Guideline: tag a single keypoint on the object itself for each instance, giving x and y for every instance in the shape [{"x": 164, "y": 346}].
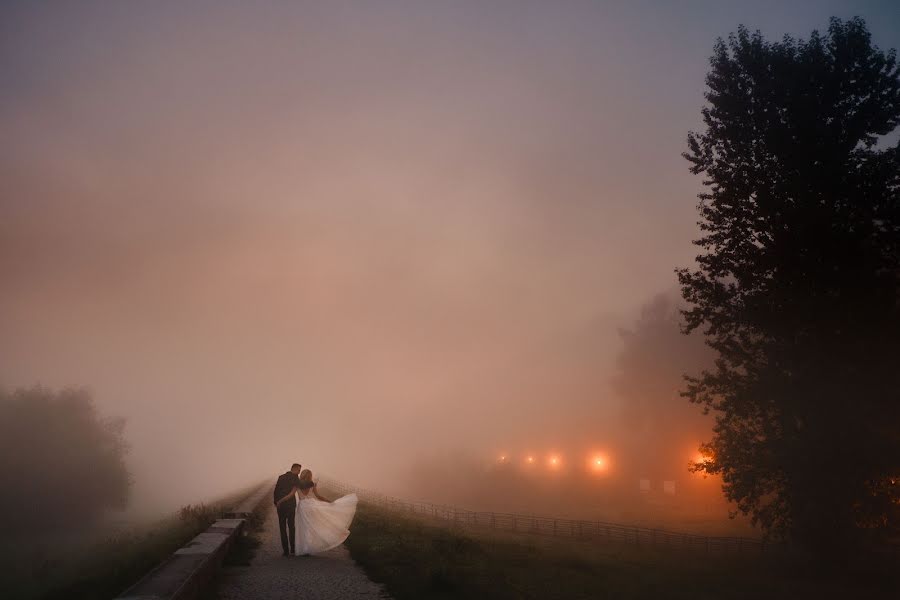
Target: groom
[{"x": 287, "y": 510}]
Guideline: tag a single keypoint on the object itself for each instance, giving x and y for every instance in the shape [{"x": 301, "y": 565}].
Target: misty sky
[{"x": 349, "y": 234}]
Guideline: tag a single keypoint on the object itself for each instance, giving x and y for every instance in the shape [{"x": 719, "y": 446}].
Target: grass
[
  {"x": 422, "y": 559},
  {"x": 102, "y": 567}
]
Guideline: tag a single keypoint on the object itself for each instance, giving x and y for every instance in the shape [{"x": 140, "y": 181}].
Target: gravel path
[{"x": 271, "y": 576}]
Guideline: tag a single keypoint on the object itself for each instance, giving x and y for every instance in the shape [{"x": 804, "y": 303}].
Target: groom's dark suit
[{"x": 287, "y": 510}]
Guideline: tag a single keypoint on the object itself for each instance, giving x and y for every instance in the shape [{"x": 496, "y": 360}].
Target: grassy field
[
  {"x": 422, "y": 559},
  {"x": 97, "y": 567}
]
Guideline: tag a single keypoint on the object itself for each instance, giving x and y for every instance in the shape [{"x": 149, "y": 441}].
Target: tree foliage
[
  {"x": 647, "y": 380},
  {"x": 798, "y": 283},
  {"x": 62, "y": 462}
]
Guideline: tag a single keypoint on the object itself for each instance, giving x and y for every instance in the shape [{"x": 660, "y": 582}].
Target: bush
[{"x": 199, "y": 514}]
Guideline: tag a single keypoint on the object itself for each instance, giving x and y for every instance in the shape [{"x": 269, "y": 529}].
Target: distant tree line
[
  {"x": 660, "y": 429},
  {"x": 62, "y": 462}
]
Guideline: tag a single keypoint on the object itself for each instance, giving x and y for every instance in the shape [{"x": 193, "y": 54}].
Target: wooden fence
[{"x": 572, "y": 528}]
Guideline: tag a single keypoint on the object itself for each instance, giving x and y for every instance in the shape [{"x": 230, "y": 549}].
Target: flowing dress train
[{"x": 322, "y": 526}]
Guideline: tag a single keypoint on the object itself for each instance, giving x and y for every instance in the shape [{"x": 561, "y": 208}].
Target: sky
[{"x": 347, "y": 234}]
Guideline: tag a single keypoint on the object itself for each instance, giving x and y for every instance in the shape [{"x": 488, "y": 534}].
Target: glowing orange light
[
  {"x": 598, "y": 463},
  {"x": 700, "y": 458},
  {"x": 554, "y": 462},
  {"x": 530, "y": 459}
]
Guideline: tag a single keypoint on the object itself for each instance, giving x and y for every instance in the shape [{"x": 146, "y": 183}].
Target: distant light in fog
[
  {"x": 598, "y": 463},
  {"x": 529, "y": 460},
  {"x": 555, "y": 461},
  {"x": 700, "y": 459}
]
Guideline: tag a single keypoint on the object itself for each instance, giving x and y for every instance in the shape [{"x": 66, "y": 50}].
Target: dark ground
[{"x": 418, "y": 559}]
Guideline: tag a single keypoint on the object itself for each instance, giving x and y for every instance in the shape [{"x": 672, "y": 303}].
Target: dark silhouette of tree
[
  {"x": 61, "y": 461},
  {"x": 798, "y": 285}
]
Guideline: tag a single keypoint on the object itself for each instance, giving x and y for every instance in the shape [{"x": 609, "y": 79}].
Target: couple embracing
[{"x": 308, "y": 522}]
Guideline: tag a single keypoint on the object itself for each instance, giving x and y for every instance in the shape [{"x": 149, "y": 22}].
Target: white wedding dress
[{"x": 322, "y": 526}]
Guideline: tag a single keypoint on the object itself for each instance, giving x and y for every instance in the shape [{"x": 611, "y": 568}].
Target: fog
[{"x": 368, "y": 238}]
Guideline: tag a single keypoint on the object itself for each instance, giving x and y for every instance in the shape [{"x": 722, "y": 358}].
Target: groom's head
[{"x": 296, "y": 468}]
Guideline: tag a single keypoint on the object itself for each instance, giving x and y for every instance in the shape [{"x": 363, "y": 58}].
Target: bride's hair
[{"x": 305, "y": 475}]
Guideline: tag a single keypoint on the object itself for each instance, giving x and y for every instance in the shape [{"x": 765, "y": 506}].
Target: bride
[{"x": 321, "y": 525}]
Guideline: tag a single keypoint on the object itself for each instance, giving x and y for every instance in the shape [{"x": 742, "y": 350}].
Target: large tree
[
  {"x": 798, "y": 284},
  {"x": 62, "y": 462}
]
